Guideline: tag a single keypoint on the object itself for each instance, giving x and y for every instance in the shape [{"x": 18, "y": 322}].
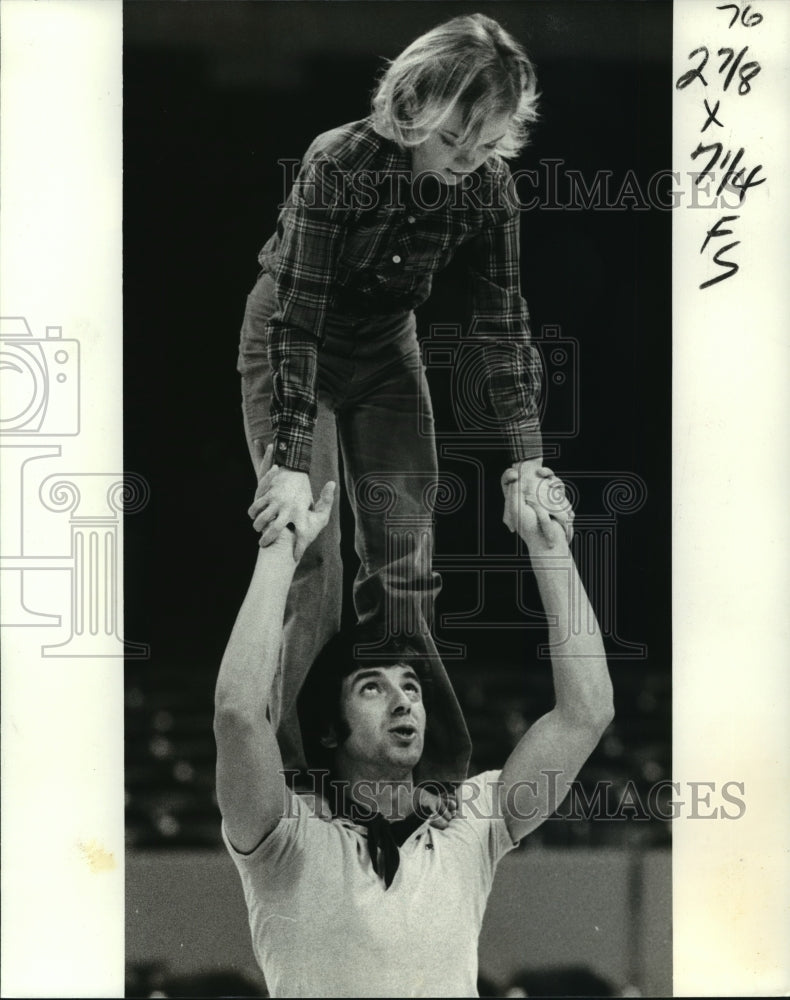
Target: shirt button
[
  {"x": 282, "y": 446},
  {"x": 396, "y": 258},
  {"x": 411, "y": 220}
]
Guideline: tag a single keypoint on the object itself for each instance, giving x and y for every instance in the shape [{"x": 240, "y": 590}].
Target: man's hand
[
  {"x": 284, "y": 497},
  {"x": 532, "y": 483}
]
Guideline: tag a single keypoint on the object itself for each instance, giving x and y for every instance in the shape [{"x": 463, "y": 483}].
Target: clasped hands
[
  {"x": 284, "y": 498},
  {"x": 533, "y": 484}
]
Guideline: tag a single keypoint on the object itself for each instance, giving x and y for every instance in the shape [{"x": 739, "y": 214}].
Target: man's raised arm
[
  {"x": 250, "y": 785},
  {"x": 539, "y": 771}
]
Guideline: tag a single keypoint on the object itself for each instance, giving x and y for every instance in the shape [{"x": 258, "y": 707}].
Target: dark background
[{"x": 214, "y": 95}]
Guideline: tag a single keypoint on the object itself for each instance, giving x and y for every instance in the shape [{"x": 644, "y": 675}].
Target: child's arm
[
  {"x": 311, "y": 230},
  {"x": 512, "y": 361},
  {"x": 513, "y": 367},
  {"x": 310, "y": 233}
]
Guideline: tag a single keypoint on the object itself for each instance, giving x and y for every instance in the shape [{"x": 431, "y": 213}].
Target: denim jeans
[{"x": 374, "y": 405}]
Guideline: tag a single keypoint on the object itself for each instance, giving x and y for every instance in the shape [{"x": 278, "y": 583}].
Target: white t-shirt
[{"x": 323, "y": 924}]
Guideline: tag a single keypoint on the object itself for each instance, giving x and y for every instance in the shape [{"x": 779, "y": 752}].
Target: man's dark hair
[{"x": 319, "y": 705}]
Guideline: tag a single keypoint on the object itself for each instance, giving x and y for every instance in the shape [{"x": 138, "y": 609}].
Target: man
[{"x": 377, "y": 902}]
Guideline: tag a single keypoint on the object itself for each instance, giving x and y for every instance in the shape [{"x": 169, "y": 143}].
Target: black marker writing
[
  {"x": 731, "y": 177},
  {"x": 733, "y": 71},
  {"x": 711, "y": 119},
  {"x": 747, "y": 20},
  {"x": 746, "y": 71},
  {"x": 718, "y": 256}
]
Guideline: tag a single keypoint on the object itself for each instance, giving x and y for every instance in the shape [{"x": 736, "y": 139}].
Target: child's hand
[
  {"x": 284, "y": 497},
  {"x": 534, "y": 484}
]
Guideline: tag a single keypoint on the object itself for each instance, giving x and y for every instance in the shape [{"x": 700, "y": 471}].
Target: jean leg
[
  {"x": 387, "y": 439},
  {"x": 312, "y": 612},
  {"x": 313, "y": 609}
]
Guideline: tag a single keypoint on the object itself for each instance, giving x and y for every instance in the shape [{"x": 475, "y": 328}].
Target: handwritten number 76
[
  {"x": 746, "y": 70},
  {"x": 747, "y": 20}
]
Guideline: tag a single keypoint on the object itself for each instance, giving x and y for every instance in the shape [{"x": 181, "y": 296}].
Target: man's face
[
  {"x": 385, "y": 714},
  {"x": 442, "y": 153}
]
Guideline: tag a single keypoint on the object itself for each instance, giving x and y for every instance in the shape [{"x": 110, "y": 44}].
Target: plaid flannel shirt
[{"x": 357, "y": 237}]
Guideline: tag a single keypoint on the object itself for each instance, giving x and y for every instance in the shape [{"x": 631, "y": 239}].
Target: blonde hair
[{"x": 470, "y": 63}]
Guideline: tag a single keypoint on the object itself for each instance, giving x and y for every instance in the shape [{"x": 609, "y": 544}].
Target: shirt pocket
[
  {"x": 368, "y": 240},
  {"x": 430, "y": 249}
]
